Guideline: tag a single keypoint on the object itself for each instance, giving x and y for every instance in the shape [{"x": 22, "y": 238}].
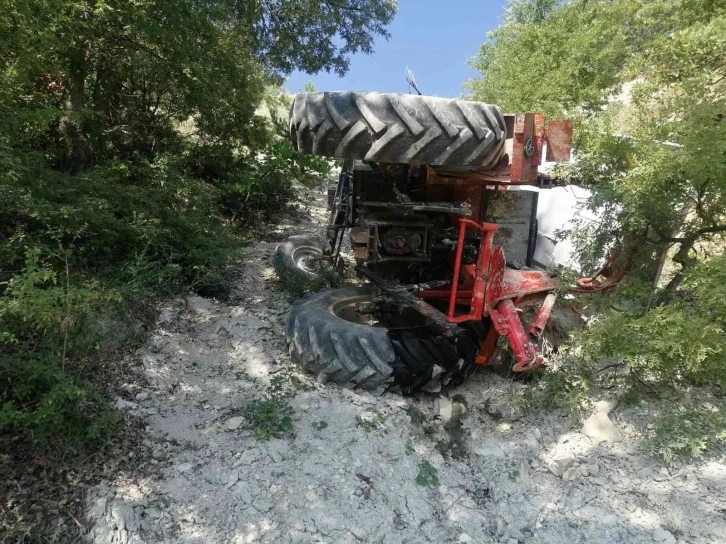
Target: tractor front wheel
[{"x": 299, "y": 260}]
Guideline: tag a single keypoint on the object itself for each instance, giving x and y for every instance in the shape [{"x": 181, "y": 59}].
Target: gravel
[{"x": 203, "y": 476}]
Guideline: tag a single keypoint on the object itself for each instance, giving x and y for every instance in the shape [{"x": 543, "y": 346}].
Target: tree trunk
[
  {"x": 78, "y": 152},
  {"x": 683, "y": 258}
]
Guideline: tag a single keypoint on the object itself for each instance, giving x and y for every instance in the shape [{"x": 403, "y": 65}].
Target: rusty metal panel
[
  {"x": 559, "y": 140},
  {"x": 524, "y": 148}
]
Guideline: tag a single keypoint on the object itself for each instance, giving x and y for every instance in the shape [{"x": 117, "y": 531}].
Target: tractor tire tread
[{"x": 398, "y": 128}]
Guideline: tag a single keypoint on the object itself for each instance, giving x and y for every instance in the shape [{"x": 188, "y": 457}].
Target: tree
[
  {"x": 314, "y": 35},
  {"x": 135, "y": 137},
  {"x": 121, "y": 75},
  {"x": 646, "y": 83}
]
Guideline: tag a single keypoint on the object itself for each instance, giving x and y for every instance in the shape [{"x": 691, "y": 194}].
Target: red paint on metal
[
  {"x": 539, "y": 137},
  {"x": 543, "y": 314},
  {"x": 481, "y": 276},
  {"x": 517, "y": 282},
  {"x": 489, "y": 348},
  {"x": 522, "y": 169},
  {"x": 506, "y": 320},
  {"x": 559, "y": 140},
  {"x": 490, "y": 288}
]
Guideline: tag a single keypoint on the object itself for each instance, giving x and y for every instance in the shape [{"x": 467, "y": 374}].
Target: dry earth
[{"x": 505, "y": 474}]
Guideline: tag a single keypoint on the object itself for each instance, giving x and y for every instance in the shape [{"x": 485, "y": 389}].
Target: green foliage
[
  {"x": 670, "y": 344},
  {"x": 566, "y": 387},
  {"x": 320, "y": 425},
  {"x": 269, "y": 416},
  {"x": 427, "y": 476},
  {"x": 55, "y": 409},
  {"x": 314, "y": 36},
  {"x": 687, "y": 434},
  {"x": 549, "y": 57},
  {"x": 135, "y": 139},
  {"x": 269, "y": 419},
  {"x": 326, "y": 275},
  {"x": 645, "y": 82},
  {"x": 370, "y": 420}
]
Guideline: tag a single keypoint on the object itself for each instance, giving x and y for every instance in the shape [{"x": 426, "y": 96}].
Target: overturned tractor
[{"x": 425, "y": 202}]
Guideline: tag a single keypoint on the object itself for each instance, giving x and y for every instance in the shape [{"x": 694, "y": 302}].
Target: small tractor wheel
[
  {"x": 297, "y": 260},
  {"x": 334, "y": 334},
  {"x": 398, "y": 128}
]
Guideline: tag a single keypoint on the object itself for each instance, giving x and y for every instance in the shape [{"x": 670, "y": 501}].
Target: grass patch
[
  {"x": 427, "y": 476},
  {"x": 371, "y": 420},
  {"x": 270, "y": 416}
]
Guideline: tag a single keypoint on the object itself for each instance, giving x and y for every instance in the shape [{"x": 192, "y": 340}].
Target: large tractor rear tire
[
  {"x": 326, "y": 334},
  {"x": 398, "y": 128}
]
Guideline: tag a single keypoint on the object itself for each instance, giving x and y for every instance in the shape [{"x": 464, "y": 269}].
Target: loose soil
[{"x": 468, "y": 464}]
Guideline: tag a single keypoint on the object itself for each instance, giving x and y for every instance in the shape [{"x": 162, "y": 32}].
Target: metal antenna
[{"x": 411, "y": 80}]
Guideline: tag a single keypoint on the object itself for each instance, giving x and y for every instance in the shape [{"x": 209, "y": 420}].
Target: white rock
[
  {"x": 605, "y": 406},
  {"x": 661, "y": 535},
  {"x": 232, "y": 478},
  {"x": 199, "y": 304},
  {"x": 599, "y": 428},
  {"x": 166, "y": 316},
  {"x": 571, "y": 474},
  {"x": 444, "y": 408},
  {"x": 241, "y": 490},
  {"x": 489, "y": 448},
  {"x": 184, "y": 467},
  {"x": 516, "y": 534},
  {"x": 465, "y": 538},
  {"x": 610, "y": 519},
  {"x": 233, "y": 423},
  {"x": 560, "y": 465},
  {"x": 152, "y": 512},
  {"x": 142, "y": 396},
  {"x": 593, "y": 469},
  {"x": 122, "y": 404}
]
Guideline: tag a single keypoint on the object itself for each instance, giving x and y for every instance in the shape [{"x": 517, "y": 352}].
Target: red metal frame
[
  {"x": 495, "y": 292},
  {"x": 490, "y": 288}
]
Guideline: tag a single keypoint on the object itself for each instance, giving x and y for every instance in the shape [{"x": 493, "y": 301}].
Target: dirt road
[{"x": 352, "y": 468}]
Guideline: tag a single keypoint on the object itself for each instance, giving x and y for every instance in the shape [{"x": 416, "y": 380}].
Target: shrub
[
  {"x": 686, "y": 435},
  {"x": 669, "y": 344}
]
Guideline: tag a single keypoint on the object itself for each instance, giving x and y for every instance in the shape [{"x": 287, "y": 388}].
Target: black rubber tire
[
  {"x": 371, "y": 358},
  {"x": 398, "y": 128},
  {"x": 288, "y": 260},
  {"x": 347, "y": 353}
]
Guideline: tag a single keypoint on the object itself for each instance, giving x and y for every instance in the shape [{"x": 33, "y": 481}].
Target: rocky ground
[{"x": 469, "y": 464}]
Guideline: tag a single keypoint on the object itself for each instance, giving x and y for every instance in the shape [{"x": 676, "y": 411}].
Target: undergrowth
[
  {"x": 83, "y": 256},
  {"x": 687, "y": 435},
  {"x": 270, "y": 416},
  {"x": 325, "y": 275}
]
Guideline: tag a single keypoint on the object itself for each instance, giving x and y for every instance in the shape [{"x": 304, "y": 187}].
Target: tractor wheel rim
[
  {"x": 305, "y": 258},
  {"x": 362, "y": 310},
  {"x": 353, "y": 309}
]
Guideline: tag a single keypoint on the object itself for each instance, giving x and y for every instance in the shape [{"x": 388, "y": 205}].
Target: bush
[
  {"x": 684, "y": 341},
  {"x": 51, "y": 408},
  {"x": 686, "y": 435},
  {"x": 257, "y": 185},
  {"x": 78, "y": 251}
]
